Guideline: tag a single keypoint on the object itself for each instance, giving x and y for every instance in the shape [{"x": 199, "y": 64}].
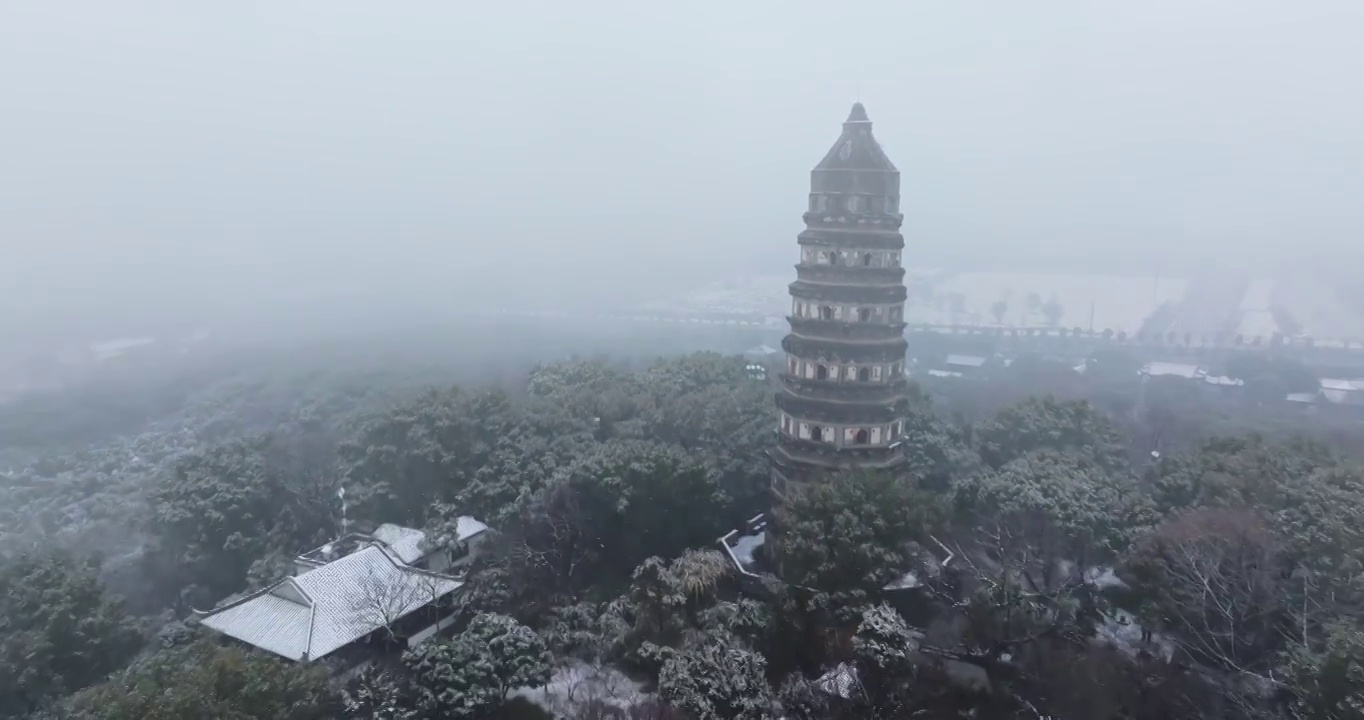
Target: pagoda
[{"x": 844, "y": 396}]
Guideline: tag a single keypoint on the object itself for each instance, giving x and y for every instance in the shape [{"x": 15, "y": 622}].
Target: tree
[
  {"x": 802, "y": 699},
  {"x": 59, "y": 631},
  {"x": 423, "y": 452},
  {"x": 1217, "y": 577},
  {"x": 1049, "y": 424},
  {"x": 1243, "y": 471},
  {"x": 935, "y": 451},
  {"x": 221, "y": 509},
  {"x": 380, "y": 694},
  {"x": 383, "y": 598},
  {"x": 717, "y": 680},
  {"x": 472, "y": 674},
  {"x": 884, "y": 650},
  {"x": 1028, "y": 538},
  {"x": 205, "y": 680},
  {"x": 673, "y": 604},
  {"x": 626, "y": 501},
  {"x": 1329, "y": 683},
  {"x": 998, "y": 309},
  {"x": 1053, "y": 311},
  {"x": 643, "y": 499},
  {"x": 1062, "y": 507},
  {"x": 520, "y": 465},
  {"x": 848, "y": 537},
  {"x": 710, "y": 406},
  {"x": 956, "y": 303}
]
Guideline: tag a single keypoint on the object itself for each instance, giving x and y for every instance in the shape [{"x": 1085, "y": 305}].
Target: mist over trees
[{"x": 1083, "y": 578}]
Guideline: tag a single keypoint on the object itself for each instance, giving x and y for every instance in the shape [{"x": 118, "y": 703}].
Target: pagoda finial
[{"x": 858, "y": 114}]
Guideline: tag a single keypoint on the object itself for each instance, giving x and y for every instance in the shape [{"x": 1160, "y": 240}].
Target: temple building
[{"x": 844, "y": 395}]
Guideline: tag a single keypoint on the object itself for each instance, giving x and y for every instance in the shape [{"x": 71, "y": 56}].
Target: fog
[{"x": 177, "y": 160}]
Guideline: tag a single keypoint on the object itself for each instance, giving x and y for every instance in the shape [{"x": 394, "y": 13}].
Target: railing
[{"x": 775, "y": 322}]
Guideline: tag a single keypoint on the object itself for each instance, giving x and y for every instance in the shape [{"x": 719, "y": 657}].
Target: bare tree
[
  {"x": 998, "y": 310},
  {"x": 1053, "y": 311},
  {"x": 1022, "y": 586},
  {"x": 384, "y": 595},
  {"x": 1219, "y": 581},
  {"x": 556, "y": 545}
]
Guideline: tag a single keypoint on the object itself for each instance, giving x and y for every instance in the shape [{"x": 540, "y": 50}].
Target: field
[
  {"x": 1318, "y": 309},
  {"x": 755, "y": 295}
]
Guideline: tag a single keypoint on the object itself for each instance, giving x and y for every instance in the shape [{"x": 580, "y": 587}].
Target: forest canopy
[{"x": 1059, "y": 568}]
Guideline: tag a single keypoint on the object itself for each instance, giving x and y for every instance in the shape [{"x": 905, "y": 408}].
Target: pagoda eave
[
  {"x": 870, "y": 238},
  {"x": 864, "y": 293}
]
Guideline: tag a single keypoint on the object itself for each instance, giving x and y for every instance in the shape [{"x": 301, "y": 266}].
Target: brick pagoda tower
[{"x": 844, "y": 395}]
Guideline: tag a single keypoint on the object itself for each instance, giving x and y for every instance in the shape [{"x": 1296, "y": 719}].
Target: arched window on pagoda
[
  {"x": 866, "y": 259},
  {"x": 861, "y": 437},
  {"x": 863, "y": 374},
  {"x": 826, "y": 312},
  {"x": 833, "y": 257},
  {"x": 816, "y": 433},
  {"x": 863, "y": 314},
  {"x": 822, "y": 372}
]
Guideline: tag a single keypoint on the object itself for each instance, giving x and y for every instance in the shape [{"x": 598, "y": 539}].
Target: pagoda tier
[{"x": 844, "y": 397}]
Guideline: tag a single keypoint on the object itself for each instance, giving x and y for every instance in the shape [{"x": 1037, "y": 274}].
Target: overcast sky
[{"x": 209, "y": 152}]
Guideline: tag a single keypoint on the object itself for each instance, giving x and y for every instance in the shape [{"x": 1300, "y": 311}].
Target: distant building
[
  {"x": 1343, "y": 392},
  {"x": 408, "y": 545},
  {"x": 761, "y": 353},
  {"x": 1343, "y": 398},
  {"x": 1169, "y": 369},
  {"x": 963, "y": 364},
  {"x": 844, "y": 394},
  {"x": 390, "y": 584}
]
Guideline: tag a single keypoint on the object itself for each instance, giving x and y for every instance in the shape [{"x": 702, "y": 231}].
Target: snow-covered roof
[
  {"x": 1343, "y": 392},
  {"x": 840, "y": 681},
  {"x": 468, "y": 527},
  {"x": 405, "y": 542},
  {"x": 1223, "y": 380},
  {"x": 965, "y": 360},
  {"x": 1301, "y": 397},
  {"x": 1157, "y": 368},
  {"x": 320, "y": 611}
]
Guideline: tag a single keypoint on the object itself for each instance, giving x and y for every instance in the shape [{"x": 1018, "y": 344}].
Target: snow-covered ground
[
  {"x": 1312, "y": 304},
  {"x": 1121, "y": 630},
  {"x": 761, "y": 294},
  {"x": 1318, "y": 308},
  {"x": 579, "y": 684}
]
